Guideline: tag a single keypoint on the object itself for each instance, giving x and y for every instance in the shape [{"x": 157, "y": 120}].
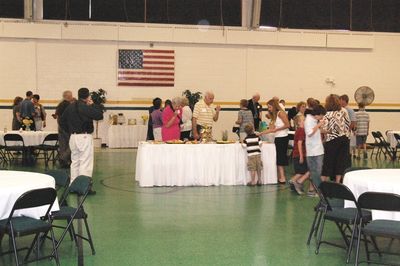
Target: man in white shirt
[
  {"x": 314, "y": 147},
  {"x": 204, "y": 114}
]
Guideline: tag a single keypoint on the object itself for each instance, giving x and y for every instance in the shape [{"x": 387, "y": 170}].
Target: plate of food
[
  {"x": 225, "y": 141},
  {"x": 192, "y": 142},
  {"x": 175, "y": 141}
]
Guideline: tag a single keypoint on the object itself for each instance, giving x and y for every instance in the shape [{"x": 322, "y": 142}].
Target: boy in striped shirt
[{"x": 253, "y": 147}]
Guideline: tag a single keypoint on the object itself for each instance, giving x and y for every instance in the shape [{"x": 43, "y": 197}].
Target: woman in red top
[
  {"x": 171, "y": 118},
  {"x": 299, "y": 157}
]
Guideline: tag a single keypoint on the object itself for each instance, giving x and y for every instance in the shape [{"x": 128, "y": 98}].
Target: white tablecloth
[
  {"x": 199, "y": 164},
  {"x": 374, "y": 180},
  {"x": 124, "y": 136},
  {"x": 15, "y": 183},
  {"x": 391, "y": 139},
  {"x": 31, "y": 138}
]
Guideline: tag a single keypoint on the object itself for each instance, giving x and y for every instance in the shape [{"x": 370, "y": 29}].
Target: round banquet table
[
  {"x": 374, "y": 180},
  {"x": 31, "y": 138},
  {"x": 200, "y": 164},
  {"x": 15, "y": 183}
]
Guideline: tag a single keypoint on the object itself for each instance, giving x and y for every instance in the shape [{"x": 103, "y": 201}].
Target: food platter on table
[
  {"x": 225, "y": 141},
  {"x": 175, "y": 141}
]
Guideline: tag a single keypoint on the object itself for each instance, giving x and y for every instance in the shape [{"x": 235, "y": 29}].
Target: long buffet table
[
  {"x": 126, "y": 136},
  {"x": 199, "y": 164}
]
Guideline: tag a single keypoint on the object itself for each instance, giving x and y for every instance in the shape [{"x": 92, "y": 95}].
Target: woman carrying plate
[{"x": 172, "y": 117}]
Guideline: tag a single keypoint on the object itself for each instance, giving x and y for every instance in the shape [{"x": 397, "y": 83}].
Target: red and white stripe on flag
[{"x": 152, "y": 68}]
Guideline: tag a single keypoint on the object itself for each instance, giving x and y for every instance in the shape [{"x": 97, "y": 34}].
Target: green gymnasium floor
[{"x": 227, "y": 225}]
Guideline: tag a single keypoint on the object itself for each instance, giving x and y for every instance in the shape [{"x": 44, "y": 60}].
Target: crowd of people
[
  {"x": 325, "y": 137},
  {"x": 29, "y": 109}
]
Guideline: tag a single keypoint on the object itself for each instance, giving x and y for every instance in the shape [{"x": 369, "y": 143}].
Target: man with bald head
[
  {"x": 204, "y": 114},
  {"x": 255, "y": 109},
  {"x": 63, "y": 137}
]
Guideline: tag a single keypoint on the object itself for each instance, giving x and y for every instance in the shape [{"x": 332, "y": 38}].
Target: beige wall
[{"x": 49, "y": 58}]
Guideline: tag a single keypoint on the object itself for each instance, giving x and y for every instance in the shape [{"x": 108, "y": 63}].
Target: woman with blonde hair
[{"x": 279, "y": 126}]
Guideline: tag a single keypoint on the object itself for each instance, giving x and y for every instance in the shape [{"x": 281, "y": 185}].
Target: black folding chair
[
  {"x": 62, "y": 180},
  {"x": 14, "y": 143},
  {"x": 342, "y": 217},
  {"x": 81, "y": 187},
  {"x": 22, "y": 225},
  {"x": 49, "y": 148},
  {"x": 378, "y": 228},
  {"x": 387, "y": 150},
  {"x": 319, "y": 210},
  {"x": 397, "y": 148}
]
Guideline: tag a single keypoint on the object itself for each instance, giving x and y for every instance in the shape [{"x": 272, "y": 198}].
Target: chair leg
[
  {"x": 376, "y": 246},
  {"x": 350, "y": 248},
  {"x": 343, "y": 235},
  {"x": 366, "y": 246},
  {"x": 89, "y": 236},
  {"x": 321, "y": 230},
  {"x": 358, "y": 243},
  {"x": 318, "y": 223},
  {"x": 32, "y": 247},
  {"x": 55, "y": 251},
  {"x": 14, "y": 246},
  {"x": 313, "y": 227},
  {"x": 74, "y": 233}
]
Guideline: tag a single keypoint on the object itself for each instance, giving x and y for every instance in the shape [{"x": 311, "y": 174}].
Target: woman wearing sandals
[{"x": 279, "y": 126}]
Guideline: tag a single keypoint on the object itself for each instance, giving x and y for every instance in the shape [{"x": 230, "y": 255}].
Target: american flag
[{"x": 155, "y": 68}]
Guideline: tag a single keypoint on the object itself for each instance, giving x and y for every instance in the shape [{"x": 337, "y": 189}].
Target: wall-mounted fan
[{"x": 364, "y": 95}]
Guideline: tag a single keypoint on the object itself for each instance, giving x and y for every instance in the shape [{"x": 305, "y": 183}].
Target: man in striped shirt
[
  {"x": 254, "y": 162},
  {"x": 204, "y": 114}
]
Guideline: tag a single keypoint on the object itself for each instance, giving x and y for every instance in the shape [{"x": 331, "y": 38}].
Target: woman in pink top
[{"x": 171, "y": 118}]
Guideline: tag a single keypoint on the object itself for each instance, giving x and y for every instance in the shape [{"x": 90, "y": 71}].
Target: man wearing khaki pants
[{"x": 77, "y": 120}]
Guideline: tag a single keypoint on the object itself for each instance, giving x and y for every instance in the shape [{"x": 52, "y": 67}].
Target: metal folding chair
[{"x": 19, "y": 226}]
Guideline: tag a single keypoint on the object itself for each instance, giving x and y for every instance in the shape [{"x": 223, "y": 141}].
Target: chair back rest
[
  {"x": 381, "y": 138},
  {"x": 14, "y": 138},
  {"x": 35, "y": 198},
  {"x": 331, "y": 190},
  {"x": 61, "y": 177},
  {"x": 51, "y": 139},
  {"x": 379, "y": 201},
  {"x": 397, "y": 137},
  {"x": 355, "y": 168},
  {"x": 81, "y": 185}
]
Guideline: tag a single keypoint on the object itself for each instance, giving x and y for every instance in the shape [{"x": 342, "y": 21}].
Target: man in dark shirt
[
  {"x": 63, "y": 136},
  {"x": 255, "y": 109},
  {"x": 27, "y": 109},
  {"x": 77, "y": 120}
]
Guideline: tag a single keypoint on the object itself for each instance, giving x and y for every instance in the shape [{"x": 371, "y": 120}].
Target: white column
[
  {"x": 255, "y": 14},
  {"x": 246, "y": 13},
  {"x": 37, "y": 9},
  {"x": 28, "y": 9},
  {"x": 251, "y": 11}
]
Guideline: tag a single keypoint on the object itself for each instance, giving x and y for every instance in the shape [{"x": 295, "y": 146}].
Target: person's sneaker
[
  {"x": 312, "y": 194},
  {"x": 291, "y": 185},
  {"x": 298, "y": 187}
]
